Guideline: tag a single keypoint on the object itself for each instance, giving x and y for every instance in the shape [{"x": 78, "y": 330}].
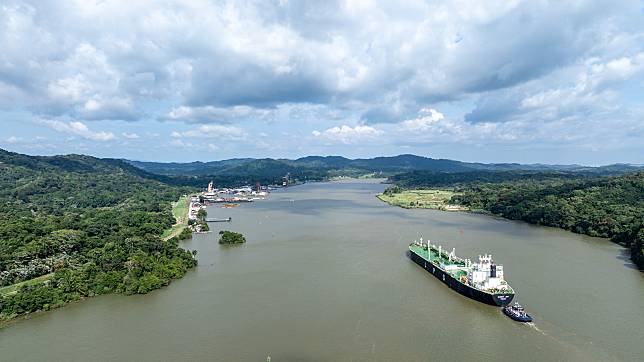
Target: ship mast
[{"x": 429, "y": 254}]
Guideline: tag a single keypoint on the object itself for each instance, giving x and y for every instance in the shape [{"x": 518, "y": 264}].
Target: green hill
[
  {"x": 269, "y": 170},
  {"x": 76, "y": 226},
  {"x": 582, "y": 202}
]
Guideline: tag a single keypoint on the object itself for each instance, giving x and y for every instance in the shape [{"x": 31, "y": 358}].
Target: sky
[{"x": 494, "y": 81}]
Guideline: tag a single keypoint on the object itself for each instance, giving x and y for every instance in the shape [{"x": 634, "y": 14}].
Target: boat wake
[{"x": 534, "y": 326}]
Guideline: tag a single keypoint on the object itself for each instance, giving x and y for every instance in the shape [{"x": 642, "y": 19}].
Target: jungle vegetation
[
  {"x": 76, "y": 226},
  {"x": 246, "y": 171},
  {"x": 231, "y": 237},
  {"x": 604, "y": 206}
]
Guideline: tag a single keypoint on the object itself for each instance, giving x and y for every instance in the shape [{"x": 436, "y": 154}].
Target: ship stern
[{"x": 503, "y": 299}]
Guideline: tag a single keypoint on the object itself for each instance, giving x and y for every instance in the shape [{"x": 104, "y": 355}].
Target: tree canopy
[
  {"x": 609, "y": 206},
  {"x": 231, "y": 237},
  {"x": 76, "y": 226}
]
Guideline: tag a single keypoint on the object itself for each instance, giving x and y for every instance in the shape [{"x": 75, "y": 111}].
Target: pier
[{"x": 215, "y": 219}]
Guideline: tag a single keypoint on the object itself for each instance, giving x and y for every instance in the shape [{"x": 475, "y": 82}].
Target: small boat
[{"x": 517, "y": 313}]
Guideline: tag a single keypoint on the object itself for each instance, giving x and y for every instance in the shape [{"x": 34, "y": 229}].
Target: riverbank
[
  {"x": 436, "y": 199},
  {"x": 603, "y": 206},
  {"x": 179, "y": 211},
  {"x": 75, "y": 281},
  {"x": 529, "y": 207},
  {"x": 366, "y": 176}
]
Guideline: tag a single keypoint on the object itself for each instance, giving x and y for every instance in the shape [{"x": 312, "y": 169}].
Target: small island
[{"x": 231, "y": 237}]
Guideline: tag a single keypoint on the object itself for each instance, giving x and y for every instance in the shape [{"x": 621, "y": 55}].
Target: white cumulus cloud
[
  {"x": 426, "y": 119},
  {"x": 213, "y": 131},
  {"x": 348, "y": 135},
  {"x": 130, "y": 136},
  {"x": 13, "y": 139},
  {"x": 78, "y": 129},
  {"x": 499, "y": 69}
]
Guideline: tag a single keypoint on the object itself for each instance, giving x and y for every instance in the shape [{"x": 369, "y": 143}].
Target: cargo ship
[{"x": 482, "y": 281}]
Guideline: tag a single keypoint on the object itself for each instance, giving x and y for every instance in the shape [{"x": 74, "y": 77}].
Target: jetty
[{"x": 215, "y": 219}]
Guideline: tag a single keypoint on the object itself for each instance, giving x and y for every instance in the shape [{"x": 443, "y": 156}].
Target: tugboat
[{"x": 517, "y": 313}]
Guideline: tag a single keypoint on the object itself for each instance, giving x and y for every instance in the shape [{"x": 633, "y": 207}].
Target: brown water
[{"x": 324, "y": 277}]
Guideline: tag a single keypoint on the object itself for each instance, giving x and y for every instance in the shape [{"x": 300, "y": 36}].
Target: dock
[{"x": 215, "y": 219}]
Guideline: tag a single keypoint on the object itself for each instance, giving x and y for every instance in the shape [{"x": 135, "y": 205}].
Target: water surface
[{"x": 324, "y": 277}]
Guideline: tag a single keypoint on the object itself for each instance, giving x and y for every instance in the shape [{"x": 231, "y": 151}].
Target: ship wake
[{"x": 534, "y": 326}]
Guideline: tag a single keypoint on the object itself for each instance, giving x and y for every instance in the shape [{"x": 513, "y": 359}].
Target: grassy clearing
[
  {"x": 13, "y": 289},
  {"x": 423, "y": 199},
  {"x": 180, "y": 208},
  {"x": 175, "y": 230},
  {"x": 180, "y": 213}
]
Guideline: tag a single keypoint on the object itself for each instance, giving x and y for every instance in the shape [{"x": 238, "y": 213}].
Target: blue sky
[{"x": 494, "y": 81}]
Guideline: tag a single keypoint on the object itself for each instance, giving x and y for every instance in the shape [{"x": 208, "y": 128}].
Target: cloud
[
  {"x": 213, "y": 131},
  {"x": 193, "y": 146},
  {"x": 349, "y": 135},
  {"x": 78, "y": 129},
  {"x": 13, "y": 140},
  {"x": 587, "y": 89},
  {"x": 177, "y": 142},
  {"x": 210, "y": 114},
  {"x": 519, "y": 68},
  {"x": 252, "y": 55},
  {"x": 527, "y": 130},
  {"x": 97, "y": 108},
  {"x": 427, "y": 118},
  {"x": 246, "y": 83},
  {"x": 87, "y": 85},
  {"x": 130, "y": 136}
]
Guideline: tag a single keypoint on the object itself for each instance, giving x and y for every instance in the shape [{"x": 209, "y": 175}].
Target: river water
[{"x": 324, "y": 277}]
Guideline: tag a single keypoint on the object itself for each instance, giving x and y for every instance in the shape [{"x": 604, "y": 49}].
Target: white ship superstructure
[{"x": 486, "y": 275}]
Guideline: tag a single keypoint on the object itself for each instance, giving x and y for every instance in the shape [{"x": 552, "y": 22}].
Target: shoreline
[
  {"x": 431, "y": 199},
  {"x": 177, "y": 209},
  {"x": 392, "y": 202}
]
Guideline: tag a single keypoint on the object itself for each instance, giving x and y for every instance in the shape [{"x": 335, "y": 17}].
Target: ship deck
[
  {"x": 440, "y": 260},
  {"x": 435, "y": 257}
]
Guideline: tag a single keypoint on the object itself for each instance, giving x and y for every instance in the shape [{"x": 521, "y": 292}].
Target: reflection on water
[{"x": 324, "y": 277}]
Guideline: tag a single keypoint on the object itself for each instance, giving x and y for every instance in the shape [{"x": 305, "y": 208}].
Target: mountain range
[
  {"x": 239, "y": 171},
  {"x": 339, "y": 164}
]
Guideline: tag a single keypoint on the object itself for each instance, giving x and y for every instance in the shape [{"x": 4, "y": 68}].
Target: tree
[
  {"x": 230, "y": 237},
  {"x": 201, "y": 214}
]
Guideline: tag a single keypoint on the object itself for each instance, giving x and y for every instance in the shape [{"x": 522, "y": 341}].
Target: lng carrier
[{"x": 482, "y": 281}]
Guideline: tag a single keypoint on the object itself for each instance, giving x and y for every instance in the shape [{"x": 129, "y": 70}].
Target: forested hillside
[
  {"x": 321, "y": 167},
  {"x": 311, "y": 166},
  {"x": 76, "y": 226},
  {"x": 428, "y": 179},
  {"x": 611, "y": 206}
]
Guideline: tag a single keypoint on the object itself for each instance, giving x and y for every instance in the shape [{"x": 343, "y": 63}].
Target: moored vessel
[{"x": 483, "y": 281}]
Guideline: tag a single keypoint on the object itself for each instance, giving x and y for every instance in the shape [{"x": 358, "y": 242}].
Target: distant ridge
[
  {"x": 384, "y": 164},
  {"x": 268, "y": 170}
]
